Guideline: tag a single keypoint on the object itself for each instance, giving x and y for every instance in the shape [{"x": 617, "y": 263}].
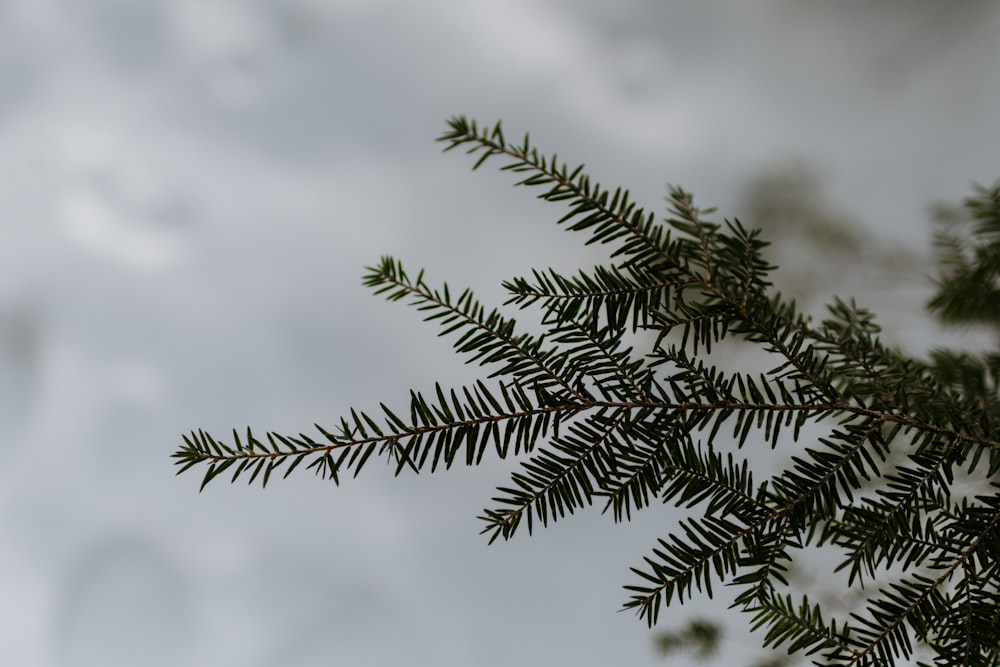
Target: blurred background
[{"x": 190, "y": 191}]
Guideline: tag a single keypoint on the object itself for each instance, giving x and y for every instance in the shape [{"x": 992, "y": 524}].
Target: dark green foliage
[
  {"x": 902, "y": 483},
  {"x": 968, "y": 247},
  {"x": 701, "y": 635}
]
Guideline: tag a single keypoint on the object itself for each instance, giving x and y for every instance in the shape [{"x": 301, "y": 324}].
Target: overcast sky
[{"x": 190, "y": 191}]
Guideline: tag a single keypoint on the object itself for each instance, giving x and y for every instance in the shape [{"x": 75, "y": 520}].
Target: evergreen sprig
[{"x": 902, "y": 484}]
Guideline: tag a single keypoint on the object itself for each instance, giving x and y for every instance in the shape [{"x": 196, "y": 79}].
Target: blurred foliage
[
  {"x": 787, "y": 203},
  {"x": 968, "y": 250},
  {"x": 818, "y": 246},
  {"x": 699, "y": 636}
]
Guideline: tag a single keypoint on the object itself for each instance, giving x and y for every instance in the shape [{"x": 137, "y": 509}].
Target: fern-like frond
[
  {"x": 559, "y": 478},
  {"x": 438, "y": 432},
  {"x": 708, "y": 549},
  {"x": 619, "y": 297},
  {"x": 802, "y": 627},
  {"x": 487, "y": 336}
]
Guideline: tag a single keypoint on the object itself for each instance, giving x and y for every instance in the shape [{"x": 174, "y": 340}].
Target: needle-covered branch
[{"x": 888, "y": 459}]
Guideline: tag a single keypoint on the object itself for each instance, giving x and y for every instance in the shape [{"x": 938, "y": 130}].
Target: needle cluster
[{"x": 901, "y": 483}]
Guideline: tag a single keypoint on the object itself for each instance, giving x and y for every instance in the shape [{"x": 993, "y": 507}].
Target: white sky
[{"x": 191, "y": 190}]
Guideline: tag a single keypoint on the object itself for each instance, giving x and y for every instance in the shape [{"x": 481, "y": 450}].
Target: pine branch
[
  {"x": 487, "y": 337},
  {"x": 559, "y": 480},
  {"x": 590, "y": 418},
  {"x": 436, "y": 432},
  {"x": 802, "y": 627}
]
